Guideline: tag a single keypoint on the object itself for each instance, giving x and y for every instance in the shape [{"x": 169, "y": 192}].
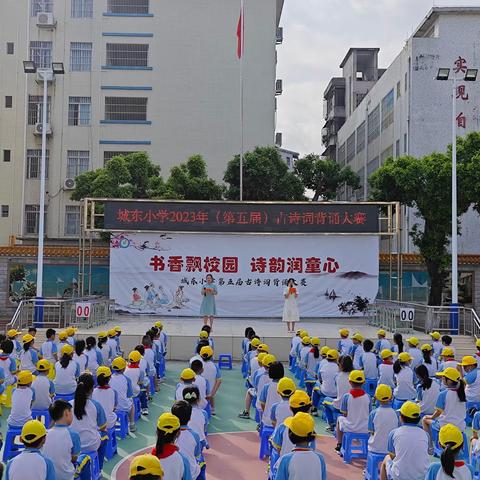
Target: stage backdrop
[{"x": 163, "y": 274}]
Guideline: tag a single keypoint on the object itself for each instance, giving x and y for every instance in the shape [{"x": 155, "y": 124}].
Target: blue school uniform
[{"x": 302, "y": 463}]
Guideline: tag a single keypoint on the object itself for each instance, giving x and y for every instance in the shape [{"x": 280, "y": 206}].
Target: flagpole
[{"x": 242, "y": 13}]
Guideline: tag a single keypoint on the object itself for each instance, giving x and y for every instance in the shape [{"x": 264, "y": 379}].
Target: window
[
  {"x": 397, "y": 148},
  {"x": 341, "y": 155},
  {"x": 5, "y": 211},
  {"x": 39, "y": 6},
  {"x": 80, "y": 57},
  {"x": 127, "y": 55},
  {"x": 34, "y": 157},
  {"x": 82, "y": 8},
  {"x": 41, "y": 54},
  {"x": 125, "y": 108},
  {"x": 72, "y": 220},
  {"x": 136, "y": 7},
  {"x": 32, "y": 215},
  {"x": 405, "y": 149},
  {"x": 399, "y": 89},
  {"x": 35, "y": 109},
  {"x": 374, "y": 124},
  {"x": 372, "y": 166},
  {"x": 387, "y": 109},
  {"x": 360, "y": 137},
  {"x": 77, "y": 162},
  {"x": 10, "y": 48},
  {"x": 8, "y": 101},
  {"x": 109, "y": 155},
  {"x": 79, "y": 110},
  {"x": 387, "y": 153},
  {"x": 351, "y": 147},
  {"x": 7, "y": 155}
]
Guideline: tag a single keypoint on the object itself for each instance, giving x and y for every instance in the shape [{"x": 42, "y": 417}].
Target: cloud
[{"x": 317, "y": 35}]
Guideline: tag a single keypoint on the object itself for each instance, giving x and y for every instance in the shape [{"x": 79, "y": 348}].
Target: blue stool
[
  {"x": 298, "y": 372},
  {"x": 111, "y": 447},
  {"x": 152, "y": 386},
  {"x": 266, "y": 433},
  {"x": 43, "y": 416},
  {"x": 258, "y": 415},
  {"x": 137, "y": 407},
  {"x": 11, "y": 448},
  {"x": 293, "y": 363},
  {"x": 65, "y": 396},
  {"x": 121, "y": 427},
  {"x": 372, "y": 470},
  {"x": 95, "y": 473},
  {"x": 370, "y": 386},
  {"x": 225, "y": 361},
  {"x": 350, "y": 450},
  {"x": 437, "y": 449},
  {"x": 274, "y": 456}
]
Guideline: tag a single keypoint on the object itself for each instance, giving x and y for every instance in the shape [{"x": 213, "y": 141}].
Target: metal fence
[{"x": 60, "y": 313}]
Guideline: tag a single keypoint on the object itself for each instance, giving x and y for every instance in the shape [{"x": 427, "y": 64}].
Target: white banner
[{"x": 163, "y": 274}]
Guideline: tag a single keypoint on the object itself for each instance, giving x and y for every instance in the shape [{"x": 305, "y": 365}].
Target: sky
[{"x": 317, "y": 35}]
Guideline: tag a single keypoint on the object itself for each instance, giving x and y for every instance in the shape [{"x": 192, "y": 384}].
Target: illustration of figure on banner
[
  {"x": 161, "y": 298},
  {"x": 137, "y": 300},
  {"x": 179, "y": 299}
]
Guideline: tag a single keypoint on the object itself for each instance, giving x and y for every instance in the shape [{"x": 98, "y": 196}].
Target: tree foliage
[
  {"x": 265, "y": 177},
  {"x": 325, "y": 177}
]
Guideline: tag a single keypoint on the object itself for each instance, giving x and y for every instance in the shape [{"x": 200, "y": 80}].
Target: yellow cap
[
  {"x": 118, "y": 329},
  {"x": 447, "y": 352},
  {"x": 62, "y": 335},
  {"x": 167, "y": 422},
  {"x": 467, "y": 361},
  {"x": 134, "y": 356},
  {"x": 410, "y": 410},
  {"x": 269, "y": 359},
  {"x": 119, "y": 363},
  {"x": 13, "y": 333},
  {"x": 206, "y": 352},
  {"x": 112, "y": 332},
  {"x": 358, "y": 337},
  {"x": 449, "y": 433},
  {"x": 302, "y": 424},
  {"x": 32, "y": 431},
  {"x": 263, "y": 347},
  {"x": 255, "y": 342},
  {"x": 105, "y": 371},
  {"x": 187, "y": 374},
  {"x": 304, "y": 333},
  {"x": 260, "y": 357},
  {"x": 101, "y": 335},
  {"x": 299, "y": 398},
  {"x": 67, "y": 350},
  {"x": 286, "y": 386},
  {"x": 24, "y": 377},
  {"x": 43, "y": 365},
  {"x": 426, "y": 347},
  {"x": 306, "y": 340},
  {"x": 203, "y": 334},
  {"x": 413, "y": 341},
  {"x": 146, "y": 465},
  {"x": 451, "y": 373},
  {"x": 71, "y": 331},
  {"x": 27, "y": 338},
  {"x": 159, "y": 324},
  {"x": 435, "y": 335},
  {"x": 383, "y": 393},
  {"x": 332, "y": 354},
  {"x": 356, "y": 376},
  {"x": 344, "y": 332},
  {"x": 405, "y": 357},
  {"x": 382, "y": 332},
  {"x": 386, "y": 353},
  {"x": 299, "y": 331},
  {"x": 477, "y": 343},
  {"x": 324, "y": 350},
  {"x": 315, "y": 341}
]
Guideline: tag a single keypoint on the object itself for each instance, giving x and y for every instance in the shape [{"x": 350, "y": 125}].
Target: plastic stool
[
  {"x": 111, "y": 447},
  {"x": 137, "y": 407},
  {"x": 121, "y": 427},
  {"x": 6, "y": 397},
  {"x": 12, "y": 449},
  {"x": 372, "y": 470},
  {"x": 95, "y": 473},
  {"x": 266, "y": 433},
  {"x": 370, "y": 386},
  {"x": 350, "y": 450},
  {"x": 65, "y": 396},
  {"x": 225, "y": 361},
  {"x": 293, "y": 364},
  {"x": 152, "y": 386},
  {"x": 43, "y": 416}
]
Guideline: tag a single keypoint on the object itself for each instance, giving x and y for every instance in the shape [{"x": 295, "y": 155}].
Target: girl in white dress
[{"x": 290, "y": 308}]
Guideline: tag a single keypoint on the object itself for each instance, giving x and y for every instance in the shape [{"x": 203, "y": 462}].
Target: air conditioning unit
[
  {"x": 278, "y": 87},
  {"x": 45, "y": 20},
  {"x": 39, "y": 129},
  {"x": 69, "y": 184}
]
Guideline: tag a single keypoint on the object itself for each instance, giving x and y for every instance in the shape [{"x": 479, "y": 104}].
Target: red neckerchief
[
  {"x": 105, "y": 387},
  {"x": 134, "y": 365},
  {"x": 387, "y": 362},
  {"x": 459, "y": 464},
  {"x": 168, "y": 449},
  {"x": 298, "y": 449},
  {"x": 148, "y": 348},
  {"x": 477, "y": 354},
  {"x": 355, "y": 392},
  {"x": 312, "y": 350}
]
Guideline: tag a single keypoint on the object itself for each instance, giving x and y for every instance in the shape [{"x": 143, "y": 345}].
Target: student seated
[
  {"x": 382, "y": 343},
  {"x": 28, "y": 356},
  {"x": 403, "y": 374},
  {"x": 447, "y": 343},
  {"x": 22, "y": 398},
  {"x": 345, "y": 343},
  {"x": 124, "y": 388},
  {"x": 448, "y": 359},
  {"x": 80, "y": 357},
  {"x": 436, "y": 344},
  {"x": 311, "y": 361},
  {"x": 8, "y": 363},
  {"x": 269, "y": 395},
  {"x": 42, "y": 386},
  {"x": 471, "y": 377},
  {"x": 414, "y": 351},
  {"x": 212, "y": 375},
  {"x": 281, "y": 410},
  {"x": 106, "y": 396},
  {"x": 427, "y": 391},
  {"x": 137, "y": 377},
  {"x": 385, "y": 369},
  {"x": 356, "y": 350},
  {"x": 368, "y": 361},
  {"x": 146, "y": 467},
  {"x": 187, "y": 379},
  {"x": 49, "y": 348},
  {"x": 66, "y": 372},
  {"x": 429, "y": 360},
  {"x": 200, "y": 382},
  {"x": 94, "y": 357},
  {"x": 199, "y": 418}
]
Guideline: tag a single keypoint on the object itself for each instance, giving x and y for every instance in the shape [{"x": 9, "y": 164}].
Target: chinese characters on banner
[
  {"x": 159, "y": 274},
  {"x": 460, "y": 67}
]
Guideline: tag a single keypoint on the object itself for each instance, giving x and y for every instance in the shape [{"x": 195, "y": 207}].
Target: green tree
[
  {"x": 265, "y": 177},
  {"x": 324, "y": 177},
  {"x": 424, "y": 184}
]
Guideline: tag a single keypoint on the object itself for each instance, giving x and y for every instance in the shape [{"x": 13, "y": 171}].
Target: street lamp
[
  {"x": 470, "y": 75},
  {"x": 44, "y": 75}
]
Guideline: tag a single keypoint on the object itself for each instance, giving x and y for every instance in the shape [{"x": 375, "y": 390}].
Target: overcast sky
[{"x": 317, "y": 35}]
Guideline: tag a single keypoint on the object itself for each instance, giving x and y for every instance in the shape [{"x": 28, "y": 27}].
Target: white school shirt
[
  {"x": 280, "y": 411},
  {"x": 143, "y": 365},
  {"x": 269, "y": 396},
  {"x": 61, "y": 444},
  {"x": 47, "y": 350},
  {"x": 44, "y": 391},
  {"x": 112, "y": 343},
  {"x": 95, "y": 359},
  {"x": 428, "y": 398},
  {"x": 462, "y": 472},
  {"x": 281, "y": 441},
  {"x": 8, "y": 365},
  {"x": 261, "y": 371},
  {"x": 437, "y": 348},
  {"x": 296, "y": 341},
  {"x": 453, "y": 410},
  {"x": 87, "y": 428},
  {"x": 262, "y": 381},
  {"x": 252, "y": 368},
  {"x": 123, "y": 386},
  {"x": 368, "y": 362},
  {"x": 176, "y": 467},
  {"x": 382, "y": 344},
  {"x": 106, "y": 353},
  {"x": 356, "y": 412},
  {"x": 21, "y": 411},
  {"x": 303, "y": 353},
  {"x": 344, "y": 345},
  {"x": 28, "y": 360},
  {"x": 107, "y": 397},
  {"x": 404, "y": 389},
  {"x": 311, "y": 363},
  {"x": 327, "y": 374},
  {"x": 198, "y": 421},
  {"x": 202, "y": 386},
  {"x": 385, "y": 375},
  {"x": 409, "y": 444},
  {"x": 472, "y": 387},
  {"x": 71, "y": 340},
  {"x": 136, "y": 376},
  {"x": 381, "y": 422},
  {"x": 31, "y": 464},
  {"x": 357, "y": 353},
  {"x": 188, "y": 443},
  {"x": 431, "y": 367},
  {"x": 66, "y": 378},
  {"x": 150, "y": 359},
  {"x": 211, "y": 373},
  {"x": 448, "y": 364},
  {"x": 343, "y": 386},
  {"x": 82, "y": 361},
  {"x": 416, "y": 355},
  {"x": 302, "y": 464}
]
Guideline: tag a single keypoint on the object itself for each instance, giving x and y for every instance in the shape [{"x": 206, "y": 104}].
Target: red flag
[{"x": 240, "y": 35}]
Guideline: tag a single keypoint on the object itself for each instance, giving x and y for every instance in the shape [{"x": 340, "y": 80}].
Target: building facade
[{"x": 155, "y": 76}]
